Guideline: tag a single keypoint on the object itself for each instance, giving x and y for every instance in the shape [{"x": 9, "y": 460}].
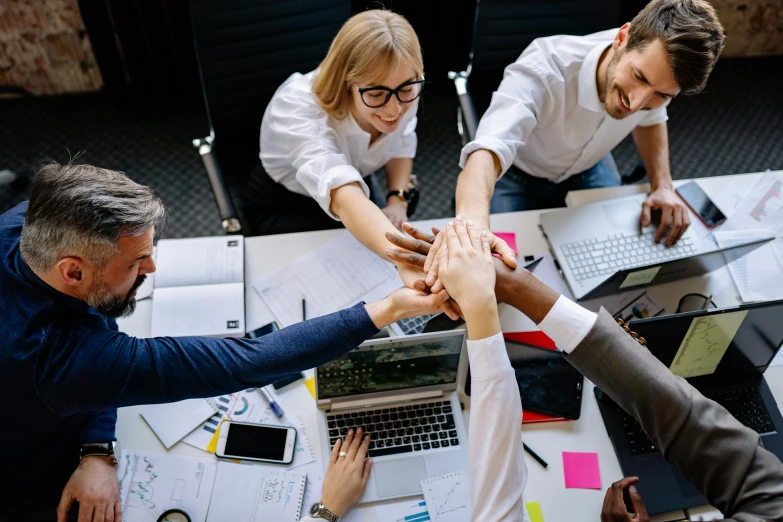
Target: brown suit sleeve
[{"x": 724, "y": 459}]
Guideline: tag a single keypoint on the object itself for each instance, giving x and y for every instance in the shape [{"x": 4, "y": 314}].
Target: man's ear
[
  {"x": 621, "y": 38},
  {"x": 74, "y": 271}
]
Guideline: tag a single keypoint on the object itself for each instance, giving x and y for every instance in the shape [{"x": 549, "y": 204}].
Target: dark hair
[
  {"x": 690, "y": 33},
  {"x": 81, "y": 210}
]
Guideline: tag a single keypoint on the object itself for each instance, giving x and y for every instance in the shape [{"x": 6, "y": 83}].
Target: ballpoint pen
[{"x": 276, "y": 409}]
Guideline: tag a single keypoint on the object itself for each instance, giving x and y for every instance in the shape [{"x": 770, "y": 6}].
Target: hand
[
  {"x": 623, "y": 503},
  {"x": 674, "y": 214},
  {"x": 411, "y": 275},
  {"x": 405, "y": 302},
  {"x": 431, "y": 265},
  {"x": 346, "y": 477},
  {"x": 397, "y": 211},
  {"x": 466, "y": 266},
  {"x": 94, "y": 485}
]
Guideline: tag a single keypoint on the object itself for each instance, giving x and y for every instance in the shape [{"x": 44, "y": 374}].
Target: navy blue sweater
[{"x": 64, "y": 368}]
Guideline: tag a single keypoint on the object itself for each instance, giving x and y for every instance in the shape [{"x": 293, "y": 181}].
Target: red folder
[{"x": 541, "y": 340}]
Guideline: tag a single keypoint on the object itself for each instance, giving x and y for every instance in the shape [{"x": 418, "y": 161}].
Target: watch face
[{"x": 314, "y": 508}]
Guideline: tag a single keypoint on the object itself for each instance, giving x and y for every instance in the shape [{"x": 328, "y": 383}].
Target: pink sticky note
[
  {"x": 581, "y": 470},
  {"x": 510, "y": 238}
]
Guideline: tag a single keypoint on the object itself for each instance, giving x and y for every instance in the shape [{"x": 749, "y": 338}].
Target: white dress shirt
[
  {"x": 567, "y": 324},
  {"x": 310, "y": 153},
  {"x": 546, "y": 117}
]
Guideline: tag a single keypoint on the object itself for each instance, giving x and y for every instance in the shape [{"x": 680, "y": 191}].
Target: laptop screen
[
  {"x": 730, "y": 342},
  {"x": 391, "y": 366}
]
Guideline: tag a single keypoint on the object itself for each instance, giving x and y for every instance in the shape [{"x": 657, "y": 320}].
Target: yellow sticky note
[
  {"x": 212, "y": 446},
  {"x": 534, "y": 511},
  {"x": 310, "y": 383}
]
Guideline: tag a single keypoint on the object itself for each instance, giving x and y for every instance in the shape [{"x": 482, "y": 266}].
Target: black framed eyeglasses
[
  {"x": 694, "y": 302},
  {"x": 375, "y": 97}
]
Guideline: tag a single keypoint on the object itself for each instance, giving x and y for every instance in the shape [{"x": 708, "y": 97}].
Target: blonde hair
[{"x": 368, "y": 46}]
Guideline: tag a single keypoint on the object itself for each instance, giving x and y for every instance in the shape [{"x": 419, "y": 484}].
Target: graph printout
[
  {"x": 705, "y": 343},
  {"x": 448, "y": 497}
]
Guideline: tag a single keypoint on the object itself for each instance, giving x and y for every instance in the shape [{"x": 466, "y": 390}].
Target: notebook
[
  {"x": 199, "y": 287},
  {"x": 173, "y": 420},
  {"x": 249, "y": 493}
]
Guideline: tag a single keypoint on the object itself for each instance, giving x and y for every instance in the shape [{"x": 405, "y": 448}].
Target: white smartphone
[{"x": 256, "y": 442}]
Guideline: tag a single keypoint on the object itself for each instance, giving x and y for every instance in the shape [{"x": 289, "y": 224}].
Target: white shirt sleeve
[
  {"x": 567, "y": 324},
  {"x": 655, "y": 117},
  {"x": 514, "y": 112},
  {"x": 497, "y": 466},
  {"x": 296, "y": 131}
]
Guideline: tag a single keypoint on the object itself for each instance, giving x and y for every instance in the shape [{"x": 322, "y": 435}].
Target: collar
[
  {"x": 588, "y": 90},
  {"x": 350, "y": 127}
]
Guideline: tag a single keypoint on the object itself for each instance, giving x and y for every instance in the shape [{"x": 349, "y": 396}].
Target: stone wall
[
  {"x": 753, "y": 27},
  {"x": 44, "y": 48}
]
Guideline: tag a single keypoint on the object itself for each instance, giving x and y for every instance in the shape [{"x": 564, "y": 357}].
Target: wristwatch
[
  {"x": 403, "y": 194},
  {"x": 101, "y": 449},
  {"x": 318, "y": 510}
]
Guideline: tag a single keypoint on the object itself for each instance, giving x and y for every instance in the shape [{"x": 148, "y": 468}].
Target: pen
[
  {"x": 276, "y": 409},
  {"x": 304, "y": 309},
  {"x": 706, "y": 302},
  {"x": 535, "y": 456}
]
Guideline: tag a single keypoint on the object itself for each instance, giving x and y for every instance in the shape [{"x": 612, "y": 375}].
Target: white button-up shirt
[
  {"x": 310, "y": 153},
  {"x": 546, "y": 117}
]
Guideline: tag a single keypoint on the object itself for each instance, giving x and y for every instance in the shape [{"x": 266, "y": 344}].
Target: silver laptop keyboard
[
  {"x": 401, "y": 429},
  {"x": 598, "y": 257},
  {"x": 414, "y": 325}
]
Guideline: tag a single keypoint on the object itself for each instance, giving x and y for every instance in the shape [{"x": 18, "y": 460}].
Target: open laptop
[
  {"x": 403, "y": 392},
  {"x": 601, "y": 250},
  {"x": 723, "y": 353}
]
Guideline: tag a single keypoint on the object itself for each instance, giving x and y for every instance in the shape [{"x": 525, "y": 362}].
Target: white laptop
[
  {"x": 601, "y": 249},
  {"x": 403, "y": 391}
]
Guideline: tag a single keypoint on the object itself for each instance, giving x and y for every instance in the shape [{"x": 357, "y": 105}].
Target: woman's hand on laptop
[
  {"x": 346, "y": 477},
  {"x": 468, "y": 273},
  {"x": 405, "y": 302}
]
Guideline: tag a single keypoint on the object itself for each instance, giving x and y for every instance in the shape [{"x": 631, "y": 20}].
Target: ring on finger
[{"x": 342, "y": 454}]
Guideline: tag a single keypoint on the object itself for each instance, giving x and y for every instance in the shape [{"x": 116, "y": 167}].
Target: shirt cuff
[
  {"x": 567, "y": 324},
  {"x": 491, "y": 144},
  {"x": 488, "y": 357},
  {"x": 334, "y": 178}
]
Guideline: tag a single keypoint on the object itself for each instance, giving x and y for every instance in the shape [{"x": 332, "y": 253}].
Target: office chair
[
  {"x": 245, "y": 50},
  {"x": 502, "y": 29}
]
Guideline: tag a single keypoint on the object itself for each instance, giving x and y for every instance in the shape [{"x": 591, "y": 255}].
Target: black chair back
[
  {"x": 246, "y": 49},
  {"x": 504, "y": 28}
]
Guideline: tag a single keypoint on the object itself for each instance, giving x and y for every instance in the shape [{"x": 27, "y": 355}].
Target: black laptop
[{"x": 723, "y": 353}]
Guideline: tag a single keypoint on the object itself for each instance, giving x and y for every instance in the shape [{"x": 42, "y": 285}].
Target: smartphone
[
  {"x": 701, "y": 204},
  {"x": 264, "y": 330},
  {"x": 256, "y": 442}
]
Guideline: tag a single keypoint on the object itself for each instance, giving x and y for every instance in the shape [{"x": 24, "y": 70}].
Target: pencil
[
  {"x": 304, "y": 309},
  {"x": 535, "y": 455}
]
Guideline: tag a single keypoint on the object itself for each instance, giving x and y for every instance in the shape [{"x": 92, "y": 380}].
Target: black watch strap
[
  {"x": 404, "y": 194},
  {"x": 99, "y": 449}
]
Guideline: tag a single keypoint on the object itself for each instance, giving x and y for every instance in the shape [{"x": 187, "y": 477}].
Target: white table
[{"x": 267, "y": 254}]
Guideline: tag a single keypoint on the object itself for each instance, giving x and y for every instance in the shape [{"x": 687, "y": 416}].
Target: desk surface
[{"x": 267, "y": 254}]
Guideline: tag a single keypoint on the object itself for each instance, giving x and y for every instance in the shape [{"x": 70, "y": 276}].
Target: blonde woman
[{"x": 325, "y": 132}]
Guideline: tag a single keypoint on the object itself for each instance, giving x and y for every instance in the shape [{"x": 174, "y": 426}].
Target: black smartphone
[
  {"x": 257, "y": 442},
  {"x": 701, "y": 204}
]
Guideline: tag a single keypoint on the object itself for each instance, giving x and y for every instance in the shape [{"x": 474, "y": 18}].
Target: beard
[
  {"x": 611, "y": 90},
  {"x": 107, "y": 303}
]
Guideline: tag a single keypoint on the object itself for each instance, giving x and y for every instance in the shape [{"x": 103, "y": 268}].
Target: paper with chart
[
  {"x": 705, "y": 343},
  {"x": 334, "y": 276},
  {"x": 407, "y": 510},
  {"x": 249, "y": 406},
  {"x": 153, "y": 483},
  {"x": 759, "y": 214},
  {"x": 448, "y": 497},
  {"x": 249, "y": 493}
]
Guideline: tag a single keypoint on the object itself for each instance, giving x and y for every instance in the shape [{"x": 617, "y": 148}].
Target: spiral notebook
[{"x": 249, "y": 492}]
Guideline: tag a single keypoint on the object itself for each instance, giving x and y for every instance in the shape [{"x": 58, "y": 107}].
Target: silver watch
[{"x": 318, "y": 510}]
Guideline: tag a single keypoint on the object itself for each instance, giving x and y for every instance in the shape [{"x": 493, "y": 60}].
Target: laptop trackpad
[{"x": 399, "y": 477}]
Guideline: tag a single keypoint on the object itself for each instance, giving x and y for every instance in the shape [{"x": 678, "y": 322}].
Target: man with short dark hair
[
  {"x": 569, "y": 100},
  {"x": 71, "y": 260}
]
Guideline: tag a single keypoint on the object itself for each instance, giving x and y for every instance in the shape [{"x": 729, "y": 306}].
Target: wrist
[
  {"x": 333, "y": 507},
  {"x": 482, "y": 322},
  {"x": 661, "y": 182},
  {"x": 382, "y": 313},
  {"x": 96, "y": 460}
]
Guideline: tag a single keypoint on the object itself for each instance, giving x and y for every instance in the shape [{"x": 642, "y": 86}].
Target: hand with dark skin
[{"x": 623, "y": 503}]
